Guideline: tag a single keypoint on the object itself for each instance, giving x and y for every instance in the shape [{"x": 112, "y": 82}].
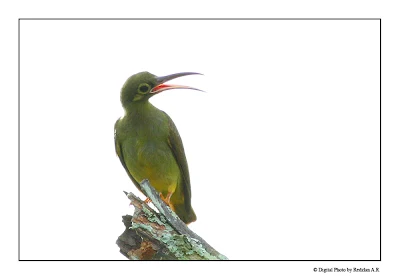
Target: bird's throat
[{"x": 139, "y": 108}]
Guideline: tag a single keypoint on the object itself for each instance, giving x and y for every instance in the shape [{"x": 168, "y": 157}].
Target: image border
[{"x": 222, "y": 19}]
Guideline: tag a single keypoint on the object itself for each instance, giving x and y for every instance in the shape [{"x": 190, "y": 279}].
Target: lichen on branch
[{"x": 160, "y": 236}]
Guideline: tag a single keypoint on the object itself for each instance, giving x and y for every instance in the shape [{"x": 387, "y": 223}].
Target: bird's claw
[{"x": 164, "y": 199}]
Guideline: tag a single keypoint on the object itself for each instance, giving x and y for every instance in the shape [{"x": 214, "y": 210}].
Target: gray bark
[{"x": 150, "y": 235}]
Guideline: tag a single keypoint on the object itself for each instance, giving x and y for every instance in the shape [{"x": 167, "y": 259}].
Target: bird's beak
[{"x": 160, "y": 86}]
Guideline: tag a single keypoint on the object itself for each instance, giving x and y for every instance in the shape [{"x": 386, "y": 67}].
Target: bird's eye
[{"x": 143, "y": 88}]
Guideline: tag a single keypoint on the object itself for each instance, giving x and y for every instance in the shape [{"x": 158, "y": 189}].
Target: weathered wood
[{"x": 160, "y": 236}]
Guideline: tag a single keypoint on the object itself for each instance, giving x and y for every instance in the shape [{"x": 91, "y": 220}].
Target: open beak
[{"x": 160, "y": 86}]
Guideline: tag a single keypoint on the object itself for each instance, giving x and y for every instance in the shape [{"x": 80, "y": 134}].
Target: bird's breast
[{"x": 147, "y": 153}]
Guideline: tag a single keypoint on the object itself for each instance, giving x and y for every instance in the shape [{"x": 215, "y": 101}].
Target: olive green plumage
[{"x": 149, "y": 145}]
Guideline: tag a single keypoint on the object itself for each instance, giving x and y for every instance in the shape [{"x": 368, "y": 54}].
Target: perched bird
[{"x": 149, "y": 145}]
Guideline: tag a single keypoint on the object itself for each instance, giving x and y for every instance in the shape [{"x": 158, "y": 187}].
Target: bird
[{"x": 148, "y": 143}]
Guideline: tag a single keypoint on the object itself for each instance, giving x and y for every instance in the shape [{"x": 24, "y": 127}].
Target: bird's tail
[{"x": 186, "y": 216}]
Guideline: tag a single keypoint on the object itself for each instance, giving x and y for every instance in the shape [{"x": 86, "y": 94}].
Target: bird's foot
[
  {"x": 147, "y": 200},
  {"x": 166, "y": 199}
]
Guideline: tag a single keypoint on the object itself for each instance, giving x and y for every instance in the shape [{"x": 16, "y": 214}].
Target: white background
[
  {"x": 283, "y": 148},
  {"x": 196, "y": 270}
]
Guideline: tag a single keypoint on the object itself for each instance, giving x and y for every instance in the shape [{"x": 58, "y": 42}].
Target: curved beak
[{"x": 160, "y": 86}]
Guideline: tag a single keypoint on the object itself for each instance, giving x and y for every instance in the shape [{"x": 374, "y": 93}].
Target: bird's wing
[
  {"x": 176, "y": 145},
  {"x": 118, "y": 150}
]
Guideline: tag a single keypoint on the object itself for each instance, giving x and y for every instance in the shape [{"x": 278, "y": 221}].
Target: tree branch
[{"x": 150, "y": 235}]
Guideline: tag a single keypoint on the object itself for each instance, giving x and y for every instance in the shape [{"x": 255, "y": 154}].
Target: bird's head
[{"x": 141, "y": 86}]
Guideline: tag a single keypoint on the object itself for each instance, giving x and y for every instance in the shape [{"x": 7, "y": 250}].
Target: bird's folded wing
[
  {"x": 176, "y": 145},
  {"x": 118, "y": 150}
]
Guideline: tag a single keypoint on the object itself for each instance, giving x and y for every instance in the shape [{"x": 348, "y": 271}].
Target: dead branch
[{"x": 150, "y": 235}]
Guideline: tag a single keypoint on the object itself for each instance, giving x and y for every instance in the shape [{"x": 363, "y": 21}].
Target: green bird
[{"x": 149, "y": 145}]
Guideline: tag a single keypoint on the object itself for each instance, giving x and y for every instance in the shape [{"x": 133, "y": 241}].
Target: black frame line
[
  {"x": 380, "y": 139},
  {"x": 19, "y": 135},
  {"x": 233, "y": 19},
  {"x": 199, "y": 19}
]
